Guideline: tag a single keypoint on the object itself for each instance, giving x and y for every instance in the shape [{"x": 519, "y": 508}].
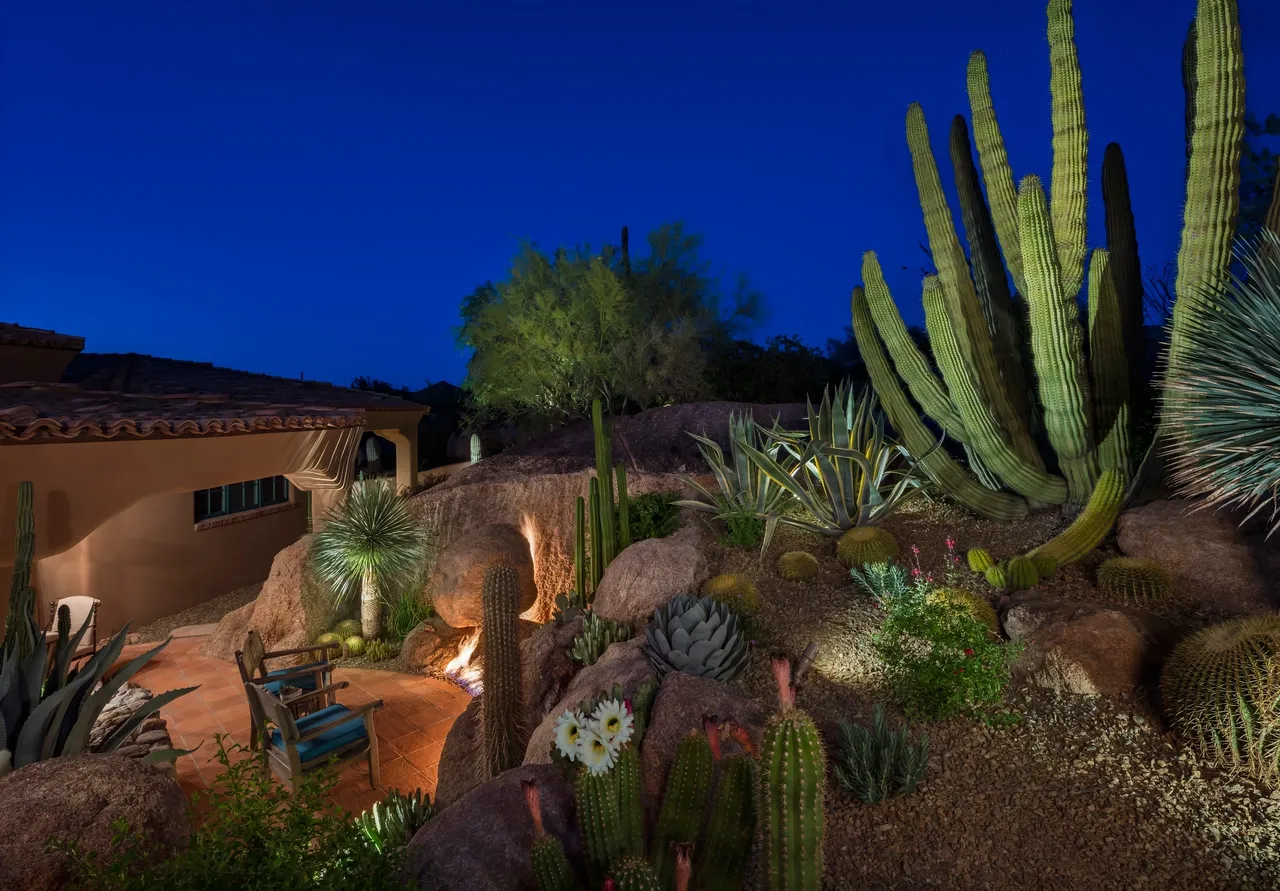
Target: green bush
[
  {"x": 653, "y": 515},
  {"x": 409, "y": 610},
  {"x": 254, "y": 836},
  {"x": 876, "y": 763},
  {"x": 743, "y": 528},
  {"x": 940, "y": 659}
]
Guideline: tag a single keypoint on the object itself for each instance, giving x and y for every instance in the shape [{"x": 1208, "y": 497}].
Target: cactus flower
[
  {"x": 533, "y": 800},
  {"x": 594, "y": 752},
  {"x": 614, "y": 723},
  {"x": 568, "y": 729}
]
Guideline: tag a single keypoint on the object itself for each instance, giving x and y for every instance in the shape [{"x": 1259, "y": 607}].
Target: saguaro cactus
[
  {"x": 503, "y": 703},
  {"x": 793, "y": 783}
]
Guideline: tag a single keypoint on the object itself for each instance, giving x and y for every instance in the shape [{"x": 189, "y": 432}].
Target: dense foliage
[
  {"x": 256, "y": 836},
  {"x": 875, "y": 762}
]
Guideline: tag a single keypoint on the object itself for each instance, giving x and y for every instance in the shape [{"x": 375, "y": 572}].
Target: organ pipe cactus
[
  {"x": 18, "y": 634},
  {"x": 726, "y": 849},
  {"x": 551, "y": 868},
  {"x": 684, "y": 801},
  {"x": 697, "y": 635},
  {"x": 793, "y": 784},
  {"x": 503, "y": 703},
  {"x": 607, "y": 519}
]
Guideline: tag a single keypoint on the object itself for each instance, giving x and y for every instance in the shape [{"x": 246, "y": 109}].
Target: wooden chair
[
  {"x": 314, "y": 675},
  {"x": 298, "y": 746}
]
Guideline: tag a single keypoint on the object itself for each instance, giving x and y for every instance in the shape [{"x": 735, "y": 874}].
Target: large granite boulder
[
  {"x": 484, "y": 841},
  {"x": 77, "y": 798},
  {"x": 648, "y": 575},
  {"x": 1083, "y": 648},
  {"x": 457, "y": 582},
  {"x": 624, "y": 664},
  {"x": 279, "y": 613},
  {"x": 1209, "y": 557},
  {"x": 463, "y": 765},
  {"x": 678, "y": 710}
]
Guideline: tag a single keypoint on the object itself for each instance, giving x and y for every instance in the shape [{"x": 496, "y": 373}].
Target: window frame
[{"x": 253, "y": 495}]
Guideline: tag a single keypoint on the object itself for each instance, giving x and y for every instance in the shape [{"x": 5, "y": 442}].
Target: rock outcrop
[
  {"x": 648, "y": 575},
  {"x": 278, "y": 613},
  {"x": 457, "y": 582}
]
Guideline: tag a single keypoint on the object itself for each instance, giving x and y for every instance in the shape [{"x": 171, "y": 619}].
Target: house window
[{"x": 236, "y": 498}]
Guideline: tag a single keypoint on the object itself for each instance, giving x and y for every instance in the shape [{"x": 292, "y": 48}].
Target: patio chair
[
  {"x": 297, "y": 746},
  {"x": 252, "y": 663},
  {"x": 81, "y": 607}
]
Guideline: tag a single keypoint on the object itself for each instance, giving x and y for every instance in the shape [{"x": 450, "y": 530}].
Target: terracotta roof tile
[{"x": 115, "y": 395}]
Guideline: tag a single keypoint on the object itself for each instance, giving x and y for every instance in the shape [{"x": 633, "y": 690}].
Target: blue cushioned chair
[
  {"x": 315, "y": 674},
  {"x": 296, "y": 746}
]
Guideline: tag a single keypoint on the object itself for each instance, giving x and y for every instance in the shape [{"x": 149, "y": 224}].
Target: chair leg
[
  {"x": 253, "y": 734},
  {"x": 374, "y": 775}
]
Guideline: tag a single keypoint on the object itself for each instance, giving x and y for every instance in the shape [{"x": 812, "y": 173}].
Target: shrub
[
  {"x": 877, "y": 762},
  {"x": 940, "y": 660},
  {"x": 743, "y": 528},
  {"x": 866, "y": 544},
  {"x": 881, "y": 580},
  {"x": 254, "y": 835},
  {"x": 797, "y": 566},
  {"x": 653, "y": 515},
  {"x": 1133, "y": 580},
  {"x": 407, "y": 612},
  {"x": 596, "y": 636},
  {"x": 736, "y": 590}
]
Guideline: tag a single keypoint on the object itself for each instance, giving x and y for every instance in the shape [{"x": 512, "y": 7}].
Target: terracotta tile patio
[{"x": 416, "y": 714}]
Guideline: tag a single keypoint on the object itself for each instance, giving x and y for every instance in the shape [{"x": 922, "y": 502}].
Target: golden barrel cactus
[
  {"x": 865, "y": 544},
  {"x": 1134, "y": 581}
]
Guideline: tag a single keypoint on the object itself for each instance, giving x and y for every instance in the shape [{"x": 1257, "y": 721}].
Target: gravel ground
[
  {"x": 1080, "y": 794},
  {"x": 200, "y": 614}
]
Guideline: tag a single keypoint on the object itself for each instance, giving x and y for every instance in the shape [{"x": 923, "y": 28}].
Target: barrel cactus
[
  {"x": 1020, "y": 573},
  {"x": 1135, "y": 581},
  {"x": 330, "y": 639},
  {"x": 1221, "y": 687},
  {"x": 797, "y": 566},
  {"x": 996, "y": 576},
  {"x": 793, "y": 786},
  {"x": 980, "y": 560},
  {"x": 734, "y": 589},
  {"x": 354, "y": 645},
  {"x": 697, "y": 635},
  {"x": 865, "y": 544},
  {"x": 974, "y": 604},
  {"x": 347, "y": 627}
]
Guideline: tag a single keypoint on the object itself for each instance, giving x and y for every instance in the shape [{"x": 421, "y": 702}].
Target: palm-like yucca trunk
[{"x": 370, "y": 606}]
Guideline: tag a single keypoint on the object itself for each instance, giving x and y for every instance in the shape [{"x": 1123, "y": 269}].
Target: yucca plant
[
  {"x": 371, "y": 543},
  {"x": 844, "y": 470},
  {"x": 1224, "y": 419},
  {"x": 744, "y": 486}
]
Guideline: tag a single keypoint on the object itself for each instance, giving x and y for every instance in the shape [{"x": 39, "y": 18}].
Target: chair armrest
[
  {"x": 290, "y": 676},
  {"x": 323, "y": 691},
  {"x": 299, "y": 650},
  {"x": 341, "y": 719}
]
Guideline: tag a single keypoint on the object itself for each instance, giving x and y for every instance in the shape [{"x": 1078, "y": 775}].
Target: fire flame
[
  {"x": 468, "y": 676},
  {"x": 535, "y": 613}
]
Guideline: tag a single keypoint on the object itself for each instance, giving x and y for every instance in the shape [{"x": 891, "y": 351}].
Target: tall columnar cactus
[
  {"x": 626, "y": 773},
  {"x": 683, "y": 802},
  {"x": 503, "y": 703},
  {"x": 1093, "y": 524},
  {"x": 476, "y": 452},
  {"x": 1126, "y": 272},
  {"x": 608, "y": 520},
  {"x": 1109, "y": 365},
  {"x": 793, "y": 784},
  {"x": 600, "y": 819},
  {"x": 580, "y": 566},
  {"x": 19, "y": 630},
  {"x": 726, "y": 850},
  {"x": 551, "y": 868},
  {"x": 635, "y": 874}
]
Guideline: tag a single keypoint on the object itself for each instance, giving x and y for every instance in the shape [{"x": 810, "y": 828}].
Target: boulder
[
  {"x": 484, "y": 841},
  {"x": 278, "y": 613},
  {"x": 623, "y": 663},
  {"x": 1206, "y": 553},
  {"x": 526, "y": 494},
  {"x": 456, "y": 583},
  {"x": 77, "y": 798},
  {"x": 646, "y": 576},
  {"x": 462, "y": 759},
  {"x": 678, "y": 709},
  {"x": 433, "y": 644},
  {"x": 546, "y": 668},
  {"x": 1083, "y": 648}
]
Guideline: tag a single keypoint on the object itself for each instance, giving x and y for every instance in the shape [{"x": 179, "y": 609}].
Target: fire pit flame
[{"x": 468, "y": 676}]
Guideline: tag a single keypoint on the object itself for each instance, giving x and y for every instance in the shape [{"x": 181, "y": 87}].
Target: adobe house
[{"x": 160, "y": 483}]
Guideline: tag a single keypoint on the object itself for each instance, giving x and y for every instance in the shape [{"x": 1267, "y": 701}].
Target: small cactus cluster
[
  {"x": 1221, "y": 687},
  {"x": 974, "y": 604},
  {"x": 1132, "y": 580},
  {"x": 797, "y": 566},
  {"x": 503, "y": 703},
  {"x": 735, "y": 589},
  {"x": 596, "y": 636},
  {"x": 865, "y": 544},
  {"x": 379, "y": 650},
  {"x": 1021, "y": 572},
  {"x": 980, "y": 560}
]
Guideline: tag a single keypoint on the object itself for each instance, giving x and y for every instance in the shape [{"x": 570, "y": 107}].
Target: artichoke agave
[{"x": 696, "y": 635}]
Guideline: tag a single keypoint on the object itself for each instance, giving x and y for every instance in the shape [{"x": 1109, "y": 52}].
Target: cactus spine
[
  {"x": 635, "y": 874},
  {"x": 20, "y": 629},
  {"x": 600, "y": 819},
  {"x": 793, "y": 786},
  {"x": 609, "y": 521},
  {"x": 503, "y": 704},
  {"x": 683, "y": 802},
  {"x": 1092, "y": 525}
]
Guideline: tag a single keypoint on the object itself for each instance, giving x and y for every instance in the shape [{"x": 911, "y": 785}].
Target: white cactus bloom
[
  {"x": 594, "y": 752},
  {"x": 613, "y": 723},
  {"x": 569, "y": 727}
]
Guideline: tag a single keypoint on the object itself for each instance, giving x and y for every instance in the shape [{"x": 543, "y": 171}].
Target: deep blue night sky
[{"x": 313, "y": 187}]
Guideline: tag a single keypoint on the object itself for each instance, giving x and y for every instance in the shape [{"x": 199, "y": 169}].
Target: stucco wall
[{"x": 149, "y": 561}]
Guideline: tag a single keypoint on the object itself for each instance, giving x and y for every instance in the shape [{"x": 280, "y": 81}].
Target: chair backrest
[
  {"x": 272, "y": 709},
  {"x": 253, "y": 654},
  {"x": 81, "y": 607}
]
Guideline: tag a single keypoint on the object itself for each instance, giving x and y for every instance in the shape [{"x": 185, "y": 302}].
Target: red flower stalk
[
  {"x": 609, "y": 885},
  {"x": 684, "y": 867},
  {"x": 713, "y": 735},
  {"x": 743, "y": 737},
  {"x": 533, "y": 799},
  {"x": 782, "y": 674}
]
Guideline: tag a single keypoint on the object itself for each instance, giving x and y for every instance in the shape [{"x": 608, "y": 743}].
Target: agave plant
[
  {"x": 372, "y": 543},
  {"x": 844, "y": 470},
  {"x": 1225, "y": 419},
  {"x": 393, "y": 822},
  {"x": 48, "y": 708},
  {"x": 744, "y": 487},
  {"x": 696, "y": 635}
]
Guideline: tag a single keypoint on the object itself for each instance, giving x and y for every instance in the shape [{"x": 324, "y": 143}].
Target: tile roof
[{"x": 128, "y": 395}]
